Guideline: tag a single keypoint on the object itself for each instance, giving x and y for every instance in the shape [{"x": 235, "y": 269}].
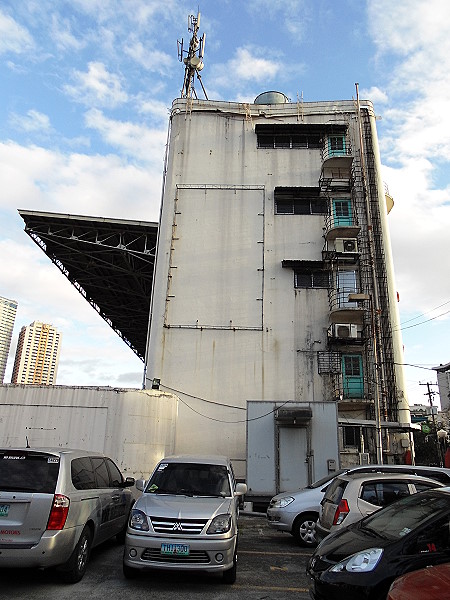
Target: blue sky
[{"x": 86, "y": 89}]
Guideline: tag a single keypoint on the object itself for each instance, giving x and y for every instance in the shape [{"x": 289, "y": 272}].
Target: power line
[
  {"x": 425, "y": 313},
  {"x": 416, "y": 366},
  {"x": 422, "y": 322},
  {"x": 221, "y": 404}
]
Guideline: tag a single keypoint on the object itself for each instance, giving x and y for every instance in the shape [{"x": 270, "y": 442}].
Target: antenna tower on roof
[{"x": 193, "y": 59}]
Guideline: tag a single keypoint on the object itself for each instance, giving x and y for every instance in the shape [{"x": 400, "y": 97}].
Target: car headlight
[
  {"x": 361, "y": 562},
  {"x": 220, "y": 524},
  {"x": 281, "y": 502},
  {"x": 138, "y": 520}
]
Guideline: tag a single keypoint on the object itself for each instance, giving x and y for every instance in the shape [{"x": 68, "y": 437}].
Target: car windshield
[
  {"x": 402, "y": 517},
  {"x": 190, "y": 480},
  {"x": 28, "y": 471}
]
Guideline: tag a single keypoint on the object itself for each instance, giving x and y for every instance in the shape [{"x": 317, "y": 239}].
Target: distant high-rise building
[
  {"x": 37, "y": 355},
  {"x": 8, "y": 310}
]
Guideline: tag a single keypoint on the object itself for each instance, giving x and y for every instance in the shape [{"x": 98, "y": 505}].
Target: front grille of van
[
  {"x": 198, "y": 557},
  {"x": 178, "y": 526}
]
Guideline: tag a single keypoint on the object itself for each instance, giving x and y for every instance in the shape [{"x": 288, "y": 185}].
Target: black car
[{"x": 361, "y": 561}]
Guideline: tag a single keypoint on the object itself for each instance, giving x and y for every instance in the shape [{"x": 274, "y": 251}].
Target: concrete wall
[{"x": 134, "y": 427}]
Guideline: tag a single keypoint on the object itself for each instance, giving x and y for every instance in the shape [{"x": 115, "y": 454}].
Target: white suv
[
  {"x": 352, "y": 496},
  {"x": 297, "y": 511},
  {"x": 56, "y": 504},
  {"x": 186, "y": 519}
]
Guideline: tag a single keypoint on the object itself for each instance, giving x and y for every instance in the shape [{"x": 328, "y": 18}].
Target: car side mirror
[
  {"x": 241, "y": 489},
  {"x": 140, "y": 484}
]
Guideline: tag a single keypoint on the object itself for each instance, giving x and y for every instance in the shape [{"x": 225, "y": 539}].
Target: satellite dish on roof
[{"x": 271, "y": 98}]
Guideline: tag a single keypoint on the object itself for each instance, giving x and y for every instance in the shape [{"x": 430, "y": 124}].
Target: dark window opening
[
  {"x": 290, "y": 141},
  {"x": 351, "y": 437},
  {"x": 299, "y": 201},
  {"x": 311, "y": 278}
]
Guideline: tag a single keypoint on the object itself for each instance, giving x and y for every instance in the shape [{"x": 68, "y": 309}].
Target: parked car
[
  {"x": 55, "y": 505},
  {"x": 186, "y": 519},
  {"x": 297, "y": 511},
  {"x": 352, "y": 496},
  {"x": 363, "y": 559},
  {"x": 432, "y": 583}
]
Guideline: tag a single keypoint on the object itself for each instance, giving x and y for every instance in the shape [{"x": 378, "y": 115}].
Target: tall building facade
[
  {"x": 37, "y": 355},
  {"x": 274, "y": 278},
  {"x": 8, "y": 309}
]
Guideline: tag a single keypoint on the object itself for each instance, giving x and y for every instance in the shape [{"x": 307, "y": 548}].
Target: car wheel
[
  {"x": 75, "y": 568},
  {"x": 304, "y": 529},
  {"x": 229, "y": 576},
  {"x": 129, "y": 572}
]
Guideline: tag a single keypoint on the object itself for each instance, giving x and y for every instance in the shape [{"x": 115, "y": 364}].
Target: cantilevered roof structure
[{"x": 109, "y": 261}]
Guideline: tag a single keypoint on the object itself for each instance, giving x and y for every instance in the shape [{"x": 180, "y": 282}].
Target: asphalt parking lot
[{"x": 270, "y": 565}]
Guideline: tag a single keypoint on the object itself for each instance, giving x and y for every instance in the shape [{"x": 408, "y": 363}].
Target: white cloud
[
  {"x": 97, "y": 87},
  {"x": 34, "y": 121},
  {"x": 63, "y": 37},
  {"x": 13, "y": 37},
  {"x": 130, "y": 138},
  {"x": 374, "y": 94},
  {"x": 248, "y": 65},
  {"x": 40, "y": 179},
  {"x": 152, "y": 60}
]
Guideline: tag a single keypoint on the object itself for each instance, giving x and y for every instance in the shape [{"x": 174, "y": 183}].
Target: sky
[{"x": 86, "y": 89}]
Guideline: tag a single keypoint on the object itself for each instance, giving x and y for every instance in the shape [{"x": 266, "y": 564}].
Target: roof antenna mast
[{"x": 193, "y": 59}]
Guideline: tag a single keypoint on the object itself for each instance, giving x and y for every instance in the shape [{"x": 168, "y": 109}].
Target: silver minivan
[
  {"x": 186, "y": 519},
  {"x": 56, "y": 504}
]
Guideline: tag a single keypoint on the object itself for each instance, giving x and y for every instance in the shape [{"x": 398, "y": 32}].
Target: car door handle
[{"x": 115, "y": 498}]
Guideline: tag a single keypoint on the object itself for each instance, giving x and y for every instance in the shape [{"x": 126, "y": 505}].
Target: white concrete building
[
  {"x": 274, "y": 279},
  {"x": 37, "y": 354},
  {"x": 8, "y": 309},
  {"x": 443, "y": 378}
]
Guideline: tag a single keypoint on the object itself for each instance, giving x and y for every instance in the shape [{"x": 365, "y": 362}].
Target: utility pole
[{"x": 430, "y": 395}]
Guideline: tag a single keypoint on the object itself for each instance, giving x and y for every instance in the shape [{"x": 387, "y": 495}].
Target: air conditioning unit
[
  {"x": 364, "y": 458},
  {"x": 345, "y": 330},
  {"x": 346, "y": 245}
]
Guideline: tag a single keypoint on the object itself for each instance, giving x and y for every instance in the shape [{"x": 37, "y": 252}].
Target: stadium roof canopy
[{"x": 109, "y": 261}]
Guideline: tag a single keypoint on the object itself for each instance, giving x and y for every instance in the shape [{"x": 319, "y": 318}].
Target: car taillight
[
  {"x": 58, "y": 514},
  {"x": 341, "y": 512}
]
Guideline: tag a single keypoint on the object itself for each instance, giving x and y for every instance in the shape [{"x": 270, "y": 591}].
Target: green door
[
  {"x": 342, "y": 212},
  {"x": 352, "y": 374}
]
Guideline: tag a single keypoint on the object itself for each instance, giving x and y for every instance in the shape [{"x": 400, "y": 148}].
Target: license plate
[
  {"x": 175, "y": 549},
  {"x": 4, "y": 509}
]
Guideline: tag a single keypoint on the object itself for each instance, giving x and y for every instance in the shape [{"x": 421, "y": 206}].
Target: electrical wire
[
  {"x": 220, "y": 404},
  {"x": 422, "y": 322},
  {"x": 425, "y": 313}
]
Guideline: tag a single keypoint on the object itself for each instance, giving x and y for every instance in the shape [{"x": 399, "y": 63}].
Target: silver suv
[
  {"x": 352, "y": 496},
  {"x": 56, "y": 504},
  {"x": 186, "y": 519},
  {"x": 297, "y": 511}
]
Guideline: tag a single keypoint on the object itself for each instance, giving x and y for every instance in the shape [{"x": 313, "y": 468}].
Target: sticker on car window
[
  {"x": 13, "y": 457},
  {"x": 53, "y": 459},
  {"x": 152, "y": 488},
  {"x": 404, "y": 531},
  {"x": 162, "y": 466}
]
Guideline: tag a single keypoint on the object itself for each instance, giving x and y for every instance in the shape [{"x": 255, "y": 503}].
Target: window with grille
[
  {"x": 290, "y": 136},
  {"x": 311, "y": 278},
  {"x": 299, "y": 201},
  {"x": 336, "y": 145}
]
